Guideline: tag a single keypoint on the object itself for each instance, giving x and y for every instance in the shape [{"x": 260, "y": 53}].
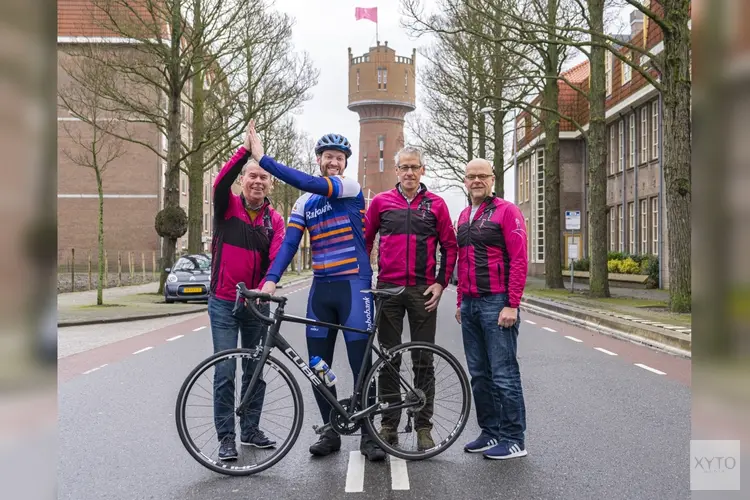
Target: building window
[
  {"x": 631, "y": 227},
  {"x": 608, "y": 71},
  {"x": 540, "y": 205},
  {"x": 622, "y": 146},
  {"x": 631, "y": 140},
  {"x": 382, "y": 78},
  {"x": 655, "y": 226},
  {"x": 655, "y": 130},
  {"x": 381, "y": 146},
  {"x": 357, "y": 79},
  {"x": 621, "y": 226},
  {"x": 521, "y": 130},
  {"x": 205, "y": 194},
  {"x": 528, "y": 242},
  {"x": 519, "y": 183},
  {"x": 528, "y": 183},
  {"x": 612, "y": 230},
  {"x": 205, "y": 222},
  {"x": 406, "y": 81},
  {"x": 644, "y": 227},
  {"x": 627, "y": 70},
  {"x": 644, "y": 134},
  {"x": 612, "y": 150},
  {"x": 184, "y": 186}
]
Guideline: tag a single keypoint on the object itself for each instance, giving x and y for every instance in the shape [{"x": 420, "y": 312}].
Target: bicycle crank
[{"x": 337, "y": 421}]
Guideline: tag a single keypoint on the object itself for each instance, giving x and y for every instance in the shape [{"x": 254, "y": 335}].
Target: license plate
[{"x": 195, "y": 289}]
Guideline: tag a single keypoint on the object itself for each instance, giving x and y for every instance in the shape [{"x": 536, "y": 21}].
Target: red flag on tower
[{"x": 370, "y": 13}]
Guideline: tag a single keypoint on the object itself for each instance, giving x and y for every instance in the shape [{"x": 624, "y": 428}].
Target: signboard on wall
[{"x": 572, "y": 220}]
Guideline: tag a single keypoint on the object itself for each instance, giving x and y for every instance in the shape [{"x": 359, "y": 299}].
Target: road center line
[
  {"x": 399, "y": 474},
  {"x": 530, "y": 322},
  {"x": 650, "y": 369},
  {"x": 143, "y": 350},
  {"x": 199, "y": 328},
  {"x": 573, "y": 338},
  {"x": 175, "y": 338},
  {"x": 355, "y": 473},
  {"x": 549, "y": 329},
  {"x": 94, "y": 369},
  {"x": 605, "y": 351}
]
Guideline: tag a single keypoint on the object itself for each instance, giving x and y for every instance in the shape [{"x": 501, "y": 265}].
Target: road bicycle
[{"x": 389, "y": 394}]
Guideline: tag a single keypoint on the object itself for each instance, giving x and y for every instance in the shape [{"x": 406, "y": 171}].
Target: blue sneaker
[
  {"x": 483, "y": 442},
  {"x": 257, "y": 439},
  {"x": 506, "y": 450}
]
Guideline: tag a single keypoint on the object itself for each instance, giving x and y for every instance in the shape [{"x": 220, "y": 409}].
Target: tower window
[
  {"x": 382, "y": 78},
  {"x": 357, "y": 79}
]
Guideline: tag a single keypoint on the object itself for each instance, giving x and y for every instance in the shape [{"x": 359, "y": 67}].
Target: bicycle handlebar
[{"x": 252, "y": 296}]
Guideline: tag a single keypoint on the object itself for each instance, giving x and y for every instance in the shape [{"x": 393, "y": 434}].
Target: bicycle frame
[{"x": 274, "y": 339}]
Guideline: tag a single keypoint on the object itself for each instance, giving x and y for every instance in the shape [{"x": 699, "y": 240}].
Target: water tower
[{"x": 381, "y": 91}]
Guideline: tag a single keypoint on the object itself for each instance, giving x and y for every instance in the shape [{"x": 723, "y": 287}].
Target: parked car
[{"x": 189, "y": 279}]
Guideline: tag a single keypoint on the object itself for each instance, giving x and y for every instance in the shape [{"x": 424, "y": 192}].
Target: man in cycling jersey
[
  {"x": 246, "y": 239},
  {"x": 411, "y": 222},
  {"x": 332, "y": 210}
]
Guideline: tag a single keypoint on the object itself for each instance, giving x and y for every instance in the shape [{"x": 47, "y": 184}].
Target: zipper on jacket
[{"x": 408, "y": 235}]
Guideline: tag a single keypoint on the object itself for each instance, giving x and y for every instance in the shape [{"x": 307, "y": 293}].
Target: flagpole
[{"x": 377, "y": 39}]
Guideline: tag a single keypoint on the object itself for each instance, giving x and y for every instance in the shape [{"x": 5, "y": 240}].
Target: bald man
[{"x": 492, "y": 268}]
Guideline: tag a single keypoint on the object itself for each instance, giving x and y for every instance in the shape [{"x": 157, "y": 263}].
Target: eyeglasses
[
  {"x": 481, "y": 177},
  {"x": 406, "y": 168}
]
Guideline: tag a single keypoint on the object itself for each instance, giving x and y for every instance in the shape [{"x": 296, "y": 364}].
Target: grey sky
[{"x": 326, "y": 29}]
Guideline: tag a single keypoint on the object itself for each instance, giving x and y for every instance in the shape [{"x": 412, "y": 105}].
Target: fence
[{"x": 78, "y": 269}]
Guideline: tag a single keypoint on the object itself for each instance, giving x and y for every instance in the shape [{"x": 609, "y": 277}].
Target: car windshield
[{"x": 193, "y": 263}]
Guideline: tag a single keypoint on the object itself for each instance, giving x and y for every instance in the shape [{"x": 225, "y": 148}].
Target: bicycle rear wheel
[
  {"x": 434, "y": 392},
  {"x": 276, "y": 411}
]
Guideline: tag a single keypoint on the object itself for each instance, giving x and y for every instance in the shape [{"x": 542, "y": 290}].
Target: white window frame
[
  {"x": 631, "y": 227},
  {"x": 655, "y": 226},
  {"x": 655, "y": 130},
  {"x": 644, "y": 227},
  {"x": 621, "y": 156},
  {"x": 612, "y": 230},
  {"x": 539, "y": 198},
  {"x": 621, "y": 222},
  {"x": 627, "y": 70},
  {"x": 631, "y": 140},
  {"x": 644, "y": 134},
  {"x": 612, "y": 159}
]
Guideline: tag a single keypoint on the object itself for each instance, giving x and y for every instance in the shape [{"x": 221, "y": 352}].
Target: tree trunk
[
  {"x": 552, "y": 251},
  {"x": 197, "y": 167},
  {"x": 597, "y": 209},
  {"x": 677, "y": 153},
  {"x": 498, "y": 157},
  {"x": 100, "y": 233}
]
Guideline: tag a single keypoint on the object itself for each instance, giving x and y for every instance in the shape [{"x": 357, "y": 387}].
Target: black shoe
[
  {"x": 327, "y": 444},
  {"x": 370, "y": 449},
  {"x": 228, "y": 449},
  {"x": 257, "y": 439}
]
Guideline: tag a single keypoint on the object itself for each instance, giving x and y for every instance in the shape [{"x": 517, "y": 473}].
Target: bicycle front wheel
[
  {"x": 424, "y": 400},
  {"x": 206, "y": 413}
]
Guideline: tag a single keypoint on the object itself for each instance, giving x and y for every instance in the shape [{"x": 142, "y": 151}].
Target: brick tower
[{"x": 381, "y": 91}]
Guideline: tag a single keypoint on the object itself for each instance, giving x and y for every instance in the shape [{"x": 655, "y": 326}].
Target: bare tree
[{"x": 96, "y": 147}]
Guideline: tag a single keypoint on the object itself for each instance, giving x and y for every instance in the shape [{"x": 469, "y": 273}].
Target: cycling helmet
[{"x": 334, "y": 141}]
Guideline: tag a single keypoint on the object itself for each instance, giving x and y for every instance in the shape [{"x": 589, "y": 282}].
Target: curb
[
  {"x": 102, "y": 321},
  {"x": 676, "y": 344}
]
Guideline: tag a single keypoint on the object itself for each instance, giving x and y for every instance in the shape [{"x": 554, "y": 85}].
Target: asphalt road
[{"x": 606, "y": 419}]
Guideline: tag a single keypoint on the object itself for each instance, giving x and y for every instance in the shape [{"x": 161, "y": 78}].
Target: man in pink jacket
[
  {"x": 492, "y": 268},
  {"x": 246, "y": 239},
  {"x": 412, "y": 222}
]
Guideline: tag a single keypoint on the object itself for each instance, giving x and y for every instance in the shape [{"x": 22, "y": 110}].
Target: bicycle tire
[
  {"x": 465, "y": 411},
  {"x": 219, "y": 466}
]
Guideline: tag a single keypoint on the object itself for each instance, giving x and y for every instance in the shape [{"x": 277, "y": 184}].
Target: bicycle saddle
[{"x": 386, "y": 292}]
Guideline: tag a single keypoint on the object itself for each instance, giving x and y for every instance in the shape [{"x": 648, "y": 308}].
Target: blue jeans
[
  {"x": 225, "y": 328},
  {"x": 495, "y": 376}
]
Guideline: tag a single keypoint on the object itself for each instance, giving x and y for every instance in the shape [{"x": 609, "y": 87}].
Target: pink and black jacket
[
  {"x": 242, "y": 249},
  {"x": 492, "y": 251},
  {"x": 409, "y": 237}
]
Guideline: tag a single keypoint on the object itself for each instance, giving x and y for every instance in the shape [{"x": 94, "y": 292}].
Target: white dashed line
[
  {"x": 94, "y": 369},
  {"x": 650, "y": 369},
  {"x": 530, "y": 322},
  {"x": 573, "y": 338},
  {"x": 605, "y": 351},
  {"x": 175, "y": 338},
  {"x": 355, "y": 474},
  {"x": 399, "y": 474},
  {"x": 549, "y": 329},
  {"x": 199, "y": 328},
  {"x": 143, "y": 350}
]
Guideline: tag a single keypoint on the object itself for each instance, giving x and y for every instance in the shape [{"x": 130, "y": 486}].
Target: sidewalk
[
  {"x": 130, "y": 303},
  {"x": 638, "y": 315}
]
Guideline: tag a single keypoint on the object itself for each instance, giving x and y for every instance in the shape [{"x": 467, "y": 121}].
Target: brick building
[
  {"x": 382, "y": 92},
  {"x": 133, "y": 184},
  {"x": 635, "y": 188}
]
